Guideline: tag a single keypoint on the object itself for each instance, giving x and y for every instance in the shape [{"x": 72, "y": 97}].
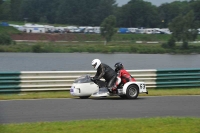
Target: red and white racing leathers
[{"x": 123, "y": 77}]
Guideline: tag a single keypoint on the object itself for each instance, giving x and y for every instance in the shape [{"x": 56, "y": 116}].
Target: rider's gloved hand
[{"x": 93, "y": 78}]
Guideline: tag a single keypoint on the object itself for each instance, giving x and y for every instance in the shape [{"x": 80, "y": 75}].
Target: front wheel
[
  {"x": 84, "y": 97},
  {"x": 132, "y": 92}
]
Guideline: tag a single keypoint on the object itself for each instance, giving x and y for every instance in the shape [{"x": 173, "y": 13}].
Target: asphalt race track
[{"x": 20, "y": 111}]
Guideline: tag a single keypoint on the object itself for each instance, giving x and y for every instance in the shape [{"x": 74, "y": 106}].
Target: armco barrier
[
  {"x": 62, "y": 80},
  {"x": 178, "y": 78}
]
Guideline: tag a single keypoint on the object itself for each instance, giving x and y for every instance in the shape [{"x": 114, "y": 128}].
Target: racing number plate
[
  {"x": 142, "y": 86},
  {"x": 72, "y": 89}
]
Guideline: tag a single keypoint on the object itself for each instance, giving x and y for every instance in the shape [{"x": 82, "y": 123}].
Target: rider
[
  {"x": 122, "y": 75},
  {"x": 104, "y": 71}
]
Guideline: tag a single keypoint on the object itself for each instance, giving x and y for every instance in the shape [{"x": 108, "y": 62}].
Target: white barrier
[{"x": 58, "y": 80}]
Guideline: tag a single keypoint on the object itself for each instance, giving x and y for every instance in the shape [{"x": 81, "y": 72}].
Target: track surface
[{"x": 20, "y": 111}]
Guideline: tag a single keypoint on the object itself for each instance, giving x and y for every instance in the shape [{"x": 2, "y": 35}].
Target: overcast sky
[{"x": 154, "y": 2}]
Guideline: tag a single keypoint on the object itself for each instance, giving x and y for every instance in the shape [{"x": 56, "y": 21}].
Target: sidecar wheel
[
  {"x": 84, "y": 97},
  {"x": 132, "y": 92}
]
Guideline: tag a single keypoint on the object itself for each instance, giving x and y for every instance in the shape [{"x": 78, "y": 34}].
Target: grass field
[
  {"x": 142, "y": 125},
  {"x": 98, "y": 47},
  {"x": 66, "y": 94}
]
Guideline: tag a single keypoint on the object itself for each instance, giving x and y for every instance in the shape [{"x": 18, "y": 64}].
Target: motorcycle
[{"x": 85, "y": 86}]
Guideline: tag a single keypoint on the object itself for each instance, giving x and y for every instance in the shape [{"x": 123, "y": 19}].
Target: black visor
[{"x": 94, "y": 65}]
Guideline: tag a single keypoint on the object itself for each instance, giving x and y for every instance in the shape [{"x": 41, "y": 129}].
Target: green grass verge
[
  {"x": 141, "y": 125},
  {"x": 97, "y": 47},
  {"x": 66, "y": 94},
  {"x": 9, "y": 30}
]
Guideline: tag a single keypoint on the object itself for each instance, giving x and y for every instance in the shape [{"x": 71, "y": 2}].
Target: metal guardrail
[
  {"x": 178, "y": 78},
  {"x": 62, "y": 80}
]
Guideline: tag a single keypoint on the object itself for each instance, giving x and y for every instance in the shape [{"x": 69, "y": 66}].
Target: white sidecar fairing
[
  {"x": 101, "y": 92},
  {"x": 141, "y": 87},
  {"x": 83, "y": 86}
]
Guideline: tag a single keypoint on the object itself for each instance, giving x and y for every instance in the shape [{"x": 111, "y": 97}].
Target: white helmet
[{"x": 96, "y": 63}]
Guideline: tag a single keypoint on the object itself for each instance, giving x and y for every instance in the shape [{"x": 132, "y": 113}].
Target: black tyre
[
  {"x": 84, "y": 97},
  {"x": 132, "y": 92}
]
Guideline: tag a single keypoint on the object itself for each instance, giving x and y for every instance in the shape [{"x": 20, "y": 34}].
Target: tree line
[
  {"x": 136, "y": 13},
  {"x": 181, "y": 17}
]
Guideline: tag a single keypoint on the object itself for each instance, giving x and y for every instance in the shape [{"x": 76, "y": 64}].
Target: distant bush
[
  {"x": 5, "y": 39},
  {"x": 42, "y": 48},
  {"x": 165, "y": 45},
  {"x": 185, "y": 45},
  {"x": 37, "y": 48},
  {"x": 2, "y": 50},
  {"x": 171, "y": 43}
]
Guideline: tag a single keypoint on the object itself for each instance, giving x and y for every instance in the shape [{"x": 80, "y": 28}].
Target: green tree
[
  {"x": 137, "y": 13},
  {"x": 1, "y": 1},
  {"x": 76, "y": 12},
  {"x": 30, "y": 10},
  {"x": 5, "y": 39},
  {"x": 15, "y": 7},
  {"x": 168, "y": 11},
  {"x": 40, "y": 10},
  {"x": 184, "y": 28},
  {"x": 108, "y": 28},
  {"x": 5, "y": 11},
  {"x": 84, "y": 12},
  {"x": 195, "y": 6},
  {"x": 49, "y": 10},
  {"x": 104, "y": 9}
]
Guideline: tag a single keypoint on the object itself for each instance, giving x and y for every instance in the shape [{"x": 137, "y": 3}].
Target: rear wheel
[
  {"x": 132, "y": 92},
  {"x": 84, "y": 97}
]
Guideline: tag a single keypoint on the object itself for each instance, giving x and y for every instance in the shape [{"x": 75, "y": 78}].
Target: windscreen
[{"x": 83, "y": 79}]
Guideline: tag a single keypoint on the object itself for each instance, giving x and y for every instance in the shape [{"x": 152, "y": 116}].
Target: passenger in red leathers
[{"x": 122, "y": 75}]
